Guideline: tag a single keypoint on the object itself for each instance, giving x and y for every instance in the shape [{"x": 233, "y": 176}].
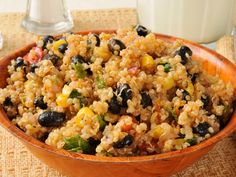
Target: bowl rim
[{"x": 28, "y": 140}]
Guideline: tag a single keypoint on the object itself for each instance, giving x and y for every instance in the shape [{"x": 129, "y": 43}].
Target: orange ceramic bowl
[{"x": 166, "y": 164}]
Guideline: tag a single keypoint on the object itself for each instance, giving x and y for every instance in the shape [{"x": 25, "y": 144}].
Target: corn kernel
[
  {"x": 167, "y": 82},
  {"x": 84, "y": 113},
  {"x": 56, "y": 45},
  {"x": 147, "y": 62},
  {"x": 158, "y": 131},
  {"x": 66, "y": 90},
  {"x": 179, "y": 142},
  {"x": 190, "y": 88},
  {"x": 62, "y": 100},
  {"x": 79, "y": 122},
  {"x": 102, "y": 52}
]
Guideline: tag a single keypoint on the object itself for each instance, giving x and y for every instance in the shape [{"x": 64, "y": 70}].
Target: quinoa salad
[{"x": 121, "y": 94}]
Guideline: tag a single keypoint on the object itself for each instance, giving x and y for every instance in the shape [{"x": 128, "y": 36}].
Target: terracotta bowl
[{"x": 166, "y": 164}]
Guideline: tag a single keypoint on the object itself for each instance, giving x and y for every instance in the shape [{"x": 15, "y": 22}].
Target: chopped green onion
[
  {"x": 102, "y": 122},
  {"x": 192, "y": 141},
  {"x": 100, "y": 82},
  {"x": 108, "y": 154},
  {"x": 79, "y": 69},
  {"x": 74, "y": 94},
  {"x": 167, "y": 67},
  {"x": 77, "y": 144}
]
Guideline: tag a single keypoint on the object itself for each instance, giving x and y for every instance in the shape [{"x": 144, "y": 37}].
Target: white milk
[
  {"x": 198, "y": 20},
  {"x": 46, "y": 11}
]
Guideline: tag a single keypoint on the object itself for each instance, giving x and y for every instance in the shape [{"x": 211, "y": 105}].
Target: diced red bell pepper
[
  {"x": 127, "y": 128},
  {"x": 35, "y": 55}
]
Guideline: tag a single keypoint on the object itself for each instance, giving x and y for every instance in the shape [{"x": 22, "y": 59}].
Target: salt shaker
[{"x": 47, "y": 17}]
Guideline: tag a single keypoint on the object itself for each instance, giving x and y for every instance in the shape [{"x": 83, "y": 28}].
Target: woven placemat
[{"x": 17, "y": 161}]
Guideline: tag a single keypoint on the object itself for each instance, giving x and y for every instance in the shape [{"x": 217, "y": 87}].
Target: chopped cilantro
[
  {"x": 80, "y": 71},
  {"x": 74, "y": 94},
  {"x": 100, "y": 82},
  {"x": 77, "y": 144},
  {"x": 102, "y": 122}
]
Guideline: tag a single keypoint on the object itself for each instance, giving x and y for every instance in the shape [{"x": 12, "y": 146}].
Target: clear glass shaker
[{"x": 47, "y": 17}]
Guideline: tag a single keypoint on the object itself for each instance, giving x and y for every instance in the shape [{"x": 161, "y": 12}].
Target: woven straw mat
[{"x": 17, "y": 161}]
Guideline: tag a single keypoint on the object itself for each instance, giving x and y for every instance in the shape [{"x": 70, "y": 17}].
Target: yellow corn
[
  {"x": 167, "y": 82},
  {"x": 66, "y": 90},
  {"x": 190, "y": 88},
  {"x": 179, "y": 142},
  {"x": 84, "y": 113},
  {"x": 62, "y": 100},
  {"x": 158, "y": 131},
  {"x": 147, "y": 62},
  {"x": 56, "y": 45},
  {"x": 102, "y": 52}
]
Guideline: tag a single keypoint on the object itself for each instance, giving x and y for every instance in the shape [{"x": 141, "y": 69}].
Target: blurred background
[{"x": 20, "y": 5}]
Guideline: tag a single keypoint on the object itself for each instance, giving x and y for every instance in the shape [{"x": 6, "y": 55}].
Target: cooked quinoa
[{"x": 122, "y": 94}]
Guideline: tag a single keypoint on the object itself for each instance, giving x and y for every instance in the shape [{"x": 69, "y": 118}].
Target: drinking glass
[
  {"x": 47, "y": 17},
  {"x": 202, "y": 21}
]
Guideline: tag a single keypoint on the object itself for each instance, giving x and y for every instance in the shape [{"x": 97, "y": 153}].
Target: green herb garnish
[
  {"x": 166, "y": 66},
  {"x": 100, "y": 82},
  {"x": 80, "y": 71},
  {"x": 74, "y": 94},
  {"x": 102, "y": 122},
  {"x": 77, "y": 144},
  {"x": 192, "y": 141}
]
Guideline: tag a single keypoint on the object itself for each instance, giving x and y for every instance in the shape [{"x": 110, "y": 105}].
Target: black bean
[
  {"x": 114, "y": 106},
  {"x": 206, "y": 100},
  {"x": 51, "y": 118},
  {"x": 124, "y": 93},
  {"x": 89, "y": 72},
  {"x": 44, "y": 137},
  {"x": 62, "y": 48},
  {"x": 115, "y": 46},
  {"x": 126, "y": 141},
  {"x": 93, "y": 145},
  {"x": 227, "y": 114},
  {"x": 98, "y": 41},
  {"x": 181, "y": 135},
  {"x": 19, "y": 62},
  {"x": 193, "y": 77},
  {"x": 39, "y": 102},
  {"x": 141, "y": 30},
  {"x": 93, "y": 142},
  {"x": 146, "y": 100},
  {"x": 185, "y": 95},
  {"x": 47, "y": 39},
  {"x": 53, "y": 58},
  {"x": 19, "y": 127},
  {"x": 138, "y": 118},
  {"x": 78, "y": 59},
  {"x": 7, "y": 102},
  {"x": 184, "y": 52},
  {"x": 32, "y": 68},
  {"x": 202, "y": 128},
  {"x": 192, "y": 141}
]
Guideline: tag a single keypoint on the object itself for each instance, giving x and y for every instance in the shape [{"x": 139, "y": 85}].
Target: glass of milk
[
  {"x": 46, "y": 17},
  {"x": 202, "y": 21}
]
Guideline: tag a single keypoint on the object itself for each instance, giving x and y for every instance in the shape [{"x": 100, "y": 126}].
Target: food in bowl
[{"x": 122, "y": 94}]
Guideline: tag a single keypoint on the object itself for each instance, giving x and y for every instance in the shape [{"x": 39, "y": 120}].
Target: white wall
[{"x": 19, "y": 5}]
